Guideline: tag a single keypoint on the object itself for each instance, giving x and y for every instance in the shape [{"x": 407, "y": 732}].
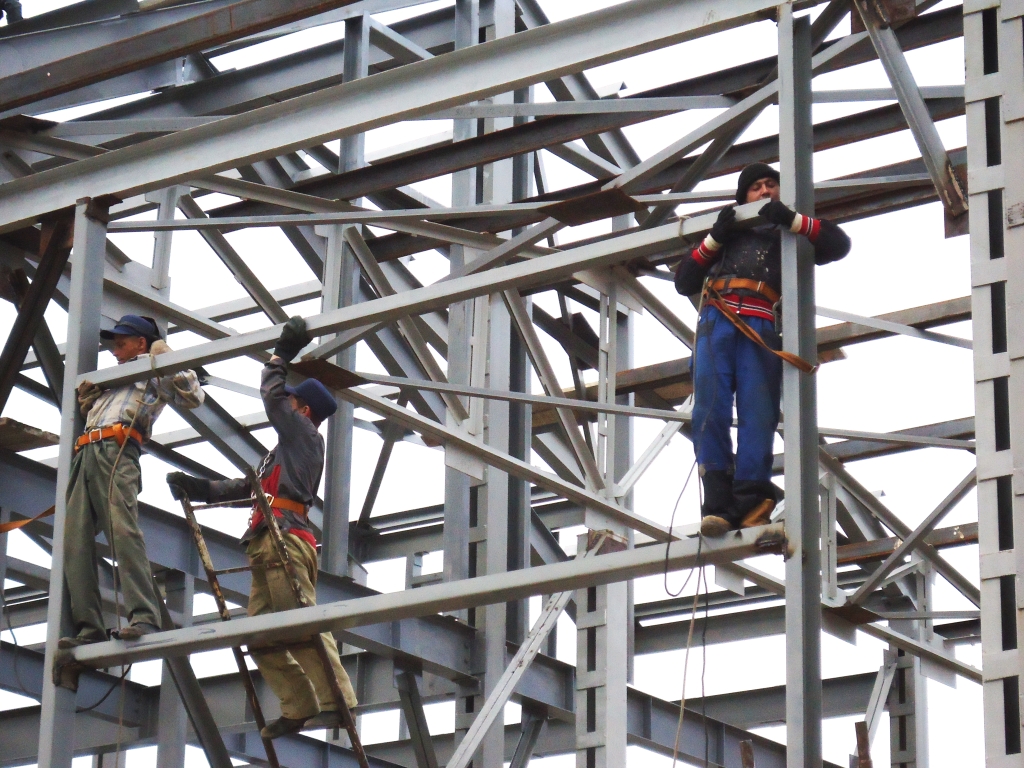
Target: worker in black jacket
[
  {"x": 290, "y": 476},
  {"x": 739, "y": 272}
]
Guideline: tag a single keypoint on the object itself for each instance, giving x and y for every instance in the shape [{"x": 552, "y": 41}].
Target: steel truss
[{"x": 460, "y": 355}]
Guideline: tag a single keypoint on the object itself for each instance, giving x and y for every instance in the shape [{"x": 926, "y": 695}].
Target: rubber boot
[
  {"x": 755, "y": 501},
  {"x": 718, "y": 512}
]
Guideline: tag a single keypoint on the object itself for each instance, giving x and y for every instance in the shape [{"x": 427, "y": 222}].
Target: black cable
[{"x": 105, "y": 696}]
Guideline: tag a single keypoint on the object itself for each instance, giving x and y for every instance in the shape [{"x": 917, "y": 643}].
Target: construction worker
[
  {"x": 290, "y": 476},
  {"x": 740, "y": 273},
  {"x": 102, "y": 494}
]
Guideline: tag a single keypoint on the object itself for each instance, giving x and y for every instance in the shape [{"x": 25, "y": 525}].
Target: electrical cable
[{"x": 697, "y": 440}]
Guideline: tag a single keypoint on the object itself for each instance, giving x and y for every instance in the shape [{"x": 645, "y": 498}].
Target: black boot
[
  {"x": 755, "y": 501},
  {"x": 718, "y": 512}
]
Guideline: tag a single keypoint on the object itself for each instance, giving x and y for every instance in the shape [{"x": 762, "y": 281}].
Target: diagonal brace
[
  {"x": 912, "y": 541},
  {"x": 934, "y": 154}
]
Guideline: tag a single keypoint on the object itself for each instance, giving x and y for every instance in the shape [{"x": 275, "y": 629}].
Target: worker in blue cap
[
  {"x": 102, "y": 494},
  {"x": 290, "y": 476}
]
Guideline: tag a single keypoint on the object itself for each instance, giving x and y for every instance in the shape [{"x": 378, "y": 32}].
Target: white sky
[{"x": 899, "y": 260}]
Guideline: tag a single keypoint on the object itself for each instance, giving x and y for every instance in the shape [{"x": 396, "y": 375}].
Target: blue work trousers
[{"x": 726, "y": 365}]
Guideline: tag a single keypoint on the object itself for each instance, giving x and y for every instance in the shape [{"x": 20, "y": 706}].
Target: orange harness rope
[
  {"x": 15, "y": 524},
  {"x": 714, "y": 298}
]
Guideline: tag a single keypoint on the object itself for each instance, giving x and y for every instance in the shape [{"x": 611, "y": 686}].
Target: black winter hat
[{"x": 749, "y": 175}]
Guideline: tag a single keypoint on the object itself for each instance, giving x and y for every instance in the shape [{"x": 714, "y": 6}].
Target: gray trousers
[{"x": 91, "y": 510}]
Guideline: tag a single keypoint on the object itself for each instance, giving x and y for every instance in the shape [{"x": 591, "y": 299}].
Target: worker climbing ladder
[{"x": 259, "y": 498}]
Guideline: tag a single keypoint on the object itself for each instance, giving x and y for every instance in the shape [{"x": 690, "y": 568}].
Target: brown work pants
[{"x": 295, "y": 675}]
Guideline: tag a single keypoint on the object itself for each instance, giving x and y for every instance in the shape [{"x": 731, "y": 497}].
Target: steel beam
[
  {"x": 803, "y": 567},
  {"x": 467, "y": 593},
  {"x": 136, "y": 41},
  {"x": 947, "y": 184},
  {"x": 56, "y": 730},
  {"x": 476, "y": 72}
]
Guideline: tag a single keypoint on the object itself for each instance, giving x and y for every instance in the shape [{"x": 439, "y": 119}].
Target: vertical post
[
  {"x": 57, "y": 719},
  {"x": 356, "y": 65},
  {"x": 341, "y": 277},
  {"x": 603, "y": 613},
  {"x": 460, "y": 321},
  {"x": 172, "y": 729},
  {"x": 167, "y": 204},
  {"x": 993, "y": 40},
  {"x": 458, "y": 497},
  {"x": 803, "y": 567},
  {"x": 496, "y": 495},
  {"x": 340, "y": 284}
]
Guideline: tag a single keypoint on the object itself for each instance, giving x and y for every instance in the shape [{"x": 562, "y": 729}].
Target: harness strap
[
  {"x": 713, "y": 298},
  {"x": 727, "y": 284},
  {"x": 117, "y": 431},
  {"x": 15, "y": 524}
]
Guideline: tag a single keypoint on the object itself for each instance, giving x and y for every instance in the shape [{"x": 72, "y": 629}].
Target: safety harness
[{"x": 713, "y": 297}]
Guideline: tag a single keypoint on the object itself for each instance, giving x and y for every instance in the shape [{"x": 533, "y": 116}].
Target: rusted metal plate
[
  {"x": 328, "y": 374},
  {"x": 593, "y": 207},
  {"x": 15, "y": 436}
]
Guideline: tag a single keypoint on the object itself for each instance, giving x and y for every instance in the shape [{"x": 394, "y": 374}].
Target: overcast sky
[{"x": 899, "y": 260}]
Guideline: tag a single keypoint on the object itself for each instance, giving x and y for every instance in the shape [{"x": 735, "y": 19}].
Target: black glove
[
  {"x": 777, "y": 213},
  {"x": 293, "y": 338},
  {"x": 725, "y": 226},
  {"x": 196, "y": 488}
]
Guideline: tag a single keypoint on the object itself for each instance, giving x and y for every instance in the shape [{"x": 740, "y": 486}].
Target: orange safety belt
[
  {"x": 714, "y": 298},
  {"x": 14, "y": 525}
]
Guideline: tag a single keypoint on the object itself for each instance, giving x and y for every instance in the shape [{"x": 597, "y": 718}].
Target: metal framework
[{"x": 461, "y": 355}]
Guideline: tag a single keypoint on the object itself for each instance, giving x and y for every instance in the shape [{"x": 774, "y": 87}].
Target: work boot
[
  {"x": 755, "y": 501},
  {"x": 135, "y": 631},
  {"x": 282, "y": 727},
  {"x": 67, "y": 643},
  {"x": 328, "y": 718},
  {"x": 718, "y": 512}
]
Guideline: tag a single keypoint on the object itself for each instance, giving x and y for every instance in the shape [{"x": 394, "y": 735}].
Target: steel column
[
  {"x": 803, "y": 566},
  {"x": 57, "y": 722}
]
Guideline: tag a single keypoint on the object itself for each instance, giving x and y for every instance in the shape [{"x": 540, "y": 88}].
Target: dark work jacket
[
  {"x": 292, "y": 470},
  {"x": 756, "y": 254}
]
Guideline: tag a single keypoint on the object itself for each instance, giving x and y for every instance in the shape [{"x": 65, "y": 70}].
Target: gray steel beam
[
  {"x": 56, "y": 246},
  {"x": 235, "y": 264},
  {"x": 883, "y": 38},
  {"x": 803, "y": 567},
  {"x": 351, "y": 108},
  {"x": 467, "y": 593},
  {"x": 137, "y": 40},
  {"x": 440, "y": 646},
  {"x": 56, "y": 731},
  {"x": 536, "y": 272}
]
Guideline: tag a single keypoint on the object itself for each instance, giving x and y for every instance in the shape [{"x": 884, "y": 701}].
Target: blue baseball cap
[
  {"x": 318, "y": 397},
  {"x": 134, "y": 325}
]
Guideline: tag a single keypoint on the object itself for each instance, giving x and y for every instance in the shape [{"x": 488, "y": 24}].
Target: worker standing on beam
[
  {"x": 290, "y": 476},
  {"x": 739, "y": 272},
  {"x": 102, "y": 494}
]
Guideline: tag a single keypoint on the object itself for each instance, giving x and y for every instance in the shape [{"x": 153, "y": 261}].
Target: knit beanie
[{"x": 749, "y": 175}]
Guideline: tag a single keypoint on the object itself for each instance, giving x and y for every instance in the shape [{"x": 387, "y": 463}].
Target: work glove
[
  {"x": 724, "y": 227},
  {"x": 293, "y": 338},
  {"x": 196, "y": 488},
  {"x": 159, "y": 347},
  {"x": 777, "y": 213},
  {"x": 87, "y": 395}
]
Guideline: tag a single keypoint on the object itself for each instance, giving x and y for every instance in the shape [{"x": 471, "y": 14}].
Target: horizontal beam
[
  {"x": 134, "y": 41},
  {"x": 536, "y": 272},
  {"x": 451, "y": 596},
  {"x": 475, "y": 72}
]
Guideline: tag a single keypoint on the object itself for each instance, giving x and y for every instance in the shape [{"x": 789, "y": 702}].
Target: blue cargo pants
[{"x": 728, "y": 365}]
